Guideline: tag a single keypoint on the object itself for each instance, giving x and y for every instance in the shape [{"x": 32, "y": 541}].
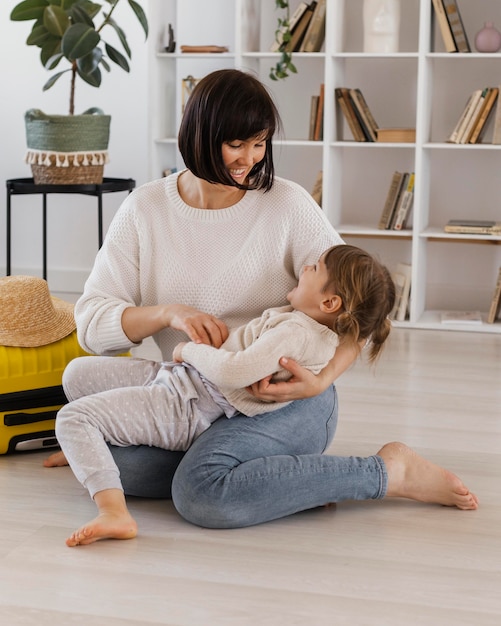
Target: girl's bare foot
[
  {"x": 412, "y": 476},
  {"x": 55, "y": 460},
  {"x": 104, "y": 526},
  {"x": 113, "y": 522}
]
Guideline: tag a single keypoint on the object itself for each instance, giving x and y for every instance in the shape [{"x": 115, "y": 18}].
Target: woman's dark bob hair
[{"x": 227, "y": 105}]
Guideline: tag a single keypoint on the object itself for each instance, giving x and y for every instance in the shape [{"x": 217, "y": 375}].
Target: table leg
[
  {"x": 45, "y": 236},
  {"x": 100, "y": 218},
  {"x": 8, "y": 233}
]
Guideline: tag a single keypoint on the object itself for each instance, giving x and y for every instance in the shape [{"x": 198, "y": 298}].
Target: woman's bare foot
[
  {"x": 104, "y": 526},
  {"x": 113, "y": 522},
  {"x": 55, "y": 460},
  {"x": 412, "y": 476}
]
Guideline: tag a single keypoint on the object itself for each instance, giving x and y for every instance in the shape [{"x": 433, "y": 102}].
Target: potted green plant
[{"x": 72, "y": 148}]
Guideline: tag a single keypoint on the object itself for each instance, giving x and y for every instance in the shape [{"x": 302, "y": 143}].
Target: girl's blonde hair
[{"x": 367, "y": 291}]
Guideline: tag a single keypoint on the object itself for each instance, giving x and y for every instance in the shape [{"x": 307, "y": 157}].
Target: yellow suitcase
[{"x": 31, "y": 393}]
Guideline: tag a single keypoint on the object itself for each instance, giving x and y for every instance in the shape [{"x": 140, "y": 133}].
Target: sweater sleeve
[
  {"x": 112, "y": 286},
  {"x": 236, "y": 370}
]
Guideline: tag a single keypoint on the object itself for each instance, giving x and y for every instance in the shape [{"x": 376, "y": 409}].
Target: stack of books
[
  {"x": 402, "y": 280},
  {"x": 316, "y": 130},
  {"x": 473, "y": 227},
  {"x": 361, "y": 122},
  {"x": 473, "y": 121},
  {"x": 306, "y": 29},
  {"x": 399, "y": 200},
  {"x": 451, "y": 26}
]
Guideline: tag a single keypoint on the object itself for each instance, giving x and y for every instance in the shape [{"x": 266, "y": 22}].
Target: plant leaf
[
  {"x": 117, "y": 57},
  {"x": 78, "y": 14},
  {"x": 88, "y": 63},
  {"x": 79, "y": 40},
  {"x": 121, "y": 36},
  {"x": 52, "y": 61},
  {"x": 141, "y": 16},
  {"x": 53, "y": 79},
  {"x": 55, "y": 20},
  {"x": 50, "y": 54},
  {"x": 29, "y": 10},
  {"x": 38, "y": 36},
  {"x": 93, "y": 79}
]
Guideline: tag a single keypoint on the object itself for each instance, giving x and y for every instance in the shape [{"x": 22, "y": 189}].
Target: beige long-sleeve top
[{"x": 252, "y": 352}]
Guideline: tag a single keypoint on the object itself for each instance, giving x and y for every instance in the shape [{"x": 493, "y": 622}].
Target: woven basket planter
[{"x": 67, "y": 149}]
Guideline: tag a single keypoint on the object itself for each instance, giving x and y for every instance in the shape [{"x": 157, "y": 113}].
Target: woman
[{"x": 209, "y": 249}]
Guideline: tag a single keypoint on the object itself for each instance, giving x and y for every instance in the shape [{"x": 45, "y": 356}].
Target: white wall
[{"x": 72, "y": 219}]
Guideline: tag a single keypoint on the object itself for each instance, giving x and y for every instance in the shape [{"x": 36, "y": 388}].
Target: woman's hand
[
  {"x": 200, "y": 327},
  {"x": 302, "y": 384}
]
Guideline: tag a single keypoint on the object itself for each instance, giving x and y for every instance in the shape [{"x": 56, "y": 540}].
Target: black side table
[{"x": 18, "y": 186}]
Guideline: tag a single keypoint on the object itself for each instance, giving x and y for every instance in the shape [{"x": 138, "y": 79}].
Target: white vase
[{"x": 381, "y": 25}]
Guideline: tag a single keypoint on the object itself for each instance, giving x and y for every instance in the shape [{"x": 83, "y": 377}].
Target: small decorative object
[
  {"x": 488, "y": 39},
  {"x": 169, "y": 41},
  {"x": 65, "y": 31},
  {"x": 381, "y": 19}
]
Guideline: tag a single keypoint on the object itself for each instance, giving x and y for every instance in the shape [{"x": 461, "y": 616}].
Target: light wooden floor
[{"x": 376, "y": 563}]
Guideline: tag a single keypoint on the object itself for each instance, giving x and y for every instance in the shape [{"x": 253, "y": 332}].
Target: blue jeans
[{"x": 247, "y": 470}]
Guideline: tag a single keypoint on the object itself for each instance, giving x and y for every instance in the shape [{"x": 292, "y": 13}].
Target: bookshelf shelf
[{"x": 421, "y": 86}]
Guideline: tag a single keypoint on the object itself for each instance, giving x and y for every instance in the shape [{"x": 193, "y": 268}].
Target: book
[
  {"x": 465, "y": 117},
  {"x": 496, "y": 133},
  {"x": 391, "y": 200},
  {"x": 316, "y": 192},
  {"x": 358, "y": 97},
  {"x": 444, "y": 27},
  {"x": 405, "y": 204},
  {"x": 319, "y": 120},
  {"x": 495, "y": 302},
  {"x": 456, "y": 25},
  {"x": 297, "y": 35},
  {"x": 203, "y": 49},
  {"x": 293, "y": 21},
  {"x": 473, "y": 227},
  {"x": 399, "y": 282},
  {"x": 461, "y": 317},
  {"x": 313, "y": 116},
  {"x": 315, "y": 34},
  {"x": 398, "y": 201},
  {"x": 396, "y": 135},
  {"x": 363, "y": 119},
  {"x": 405, "y": 269},
  {"x": 480, "y": 126},
  {"x": 469, "y": 126},
  {"x": 342, "y": 98}
]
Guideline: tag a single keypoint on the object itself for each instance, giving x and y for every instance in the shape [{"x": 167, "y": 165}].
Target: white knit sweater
[
  {"x": 252, "y": 352},
  {"x": 232, "y": 263}
]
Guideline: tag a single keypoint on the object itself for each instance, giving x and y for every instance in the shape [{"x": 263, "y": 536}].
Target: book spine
[
  {"x": 363, "y": 120},
  {"x": 443, "y": 24},
  {"x": 470, "y": 108},
  {"x": 484, "y": 116},
  {"x": 299, "y": 31},
  {"x": 293, "y": 21},
  {"x": 456, "y": 25},
  {"x": 405, "y": 204},
  {"x": 496, "y": 134},
  {"x": 406, "y": 270},
  {"x": 398, "y": 200},
  {"x": 319, "y": 122},
  {"x": 453, "y": 137},
  {"x": 348, "y": 114},
  {"x": 313, "y": 116},
  {"x": 315, "y": 34},
  {"x": 396, "y": 180},
  {"x": 495, "y": 302},
  {"x": 477, "y": 111}
]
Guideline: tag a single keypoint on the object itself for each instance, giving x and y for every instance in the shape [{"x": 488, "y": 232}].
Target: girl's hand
[
  {"x": 303, "y": 384},
  {"x": 177, "y": 352},
  {"x": 200, "y": 327}
]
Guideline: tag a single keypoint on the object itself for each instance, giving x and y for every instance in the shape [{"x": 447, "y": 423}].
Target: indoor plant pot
[{"x": 72, "y": 149}]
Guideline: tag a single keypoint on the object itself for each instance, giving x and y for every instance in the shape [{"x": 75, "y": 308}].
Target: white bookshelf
[{"x": 421, "y": 86}]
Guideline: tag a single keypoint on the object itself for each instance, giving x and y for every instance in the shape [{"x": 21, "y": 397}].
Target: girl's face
[
  {"x": 309, "y": 293},
  {"x": 240, "y": 156}
]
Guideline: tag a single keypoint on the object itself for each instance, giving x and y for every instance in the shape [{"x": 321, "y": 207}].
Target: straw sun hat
[{"x": 29, "y": 315}]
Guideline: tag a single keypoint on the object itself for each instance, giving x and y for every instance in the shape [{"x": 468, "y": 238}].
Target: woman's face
[{"x": 240, "y": 156}]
